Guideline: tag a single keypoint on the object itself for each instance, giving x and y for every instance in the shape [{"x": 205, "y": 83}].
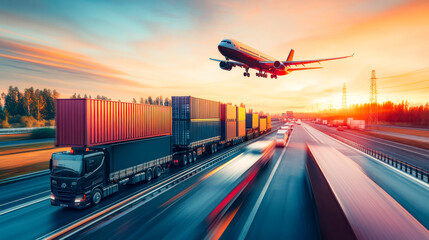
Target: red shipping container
[
  {"x": 228, "y": 112},
  {"x": 90, "y": 122}
]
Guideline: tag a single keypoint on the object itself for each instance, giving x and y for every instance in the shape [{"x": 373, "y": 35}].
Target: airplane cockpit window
[{"x": 227, "y": 42}]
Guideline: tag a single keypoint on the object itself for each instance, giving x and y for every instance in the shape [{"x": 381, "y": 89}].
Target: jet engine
[
  {"x": 225, "y": 66},
  {"x": 278, "y": 65}
]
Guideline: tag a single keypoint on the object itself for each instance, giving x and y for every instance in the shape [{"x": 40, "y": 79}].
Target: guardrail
[
  {"x": 394, "y": 162},
  {"x": 7, "y": 131}
]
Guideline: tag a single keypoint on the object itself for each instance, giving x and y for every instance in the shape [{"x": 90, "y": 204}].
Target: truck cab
[{"x": 77, "y": 178}]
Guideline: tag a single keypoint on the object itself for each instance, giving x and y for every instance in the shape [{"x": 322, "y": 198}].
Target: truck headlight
[
  {"x": 52, "y": 197},
  {"x": 80, "y": 198}
]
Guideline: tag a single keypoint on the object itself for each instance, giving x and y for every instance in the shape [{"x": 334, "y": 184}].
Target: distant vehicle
[
  {"x": 340, "y": 128},
  {"x": 290, "y": 124},
  {"x": 289, "y": 114},
  {"x": 281, "y": 138},
  {"x": 247, "y": 57},
  {"x": 287, "y": 128},
  {"x": 357, "y": 124},
  {"x": 329, "y": 125},
  {"x": 298, "y": 122},
  {"x": 324, "y": 122}
]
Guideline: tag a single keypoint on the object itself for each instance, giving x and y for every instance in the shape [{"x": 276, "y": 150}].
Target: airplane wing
[
  {"x": 233, "y": 63},
  {"x": 298, "y": 69},
  {"x": 303, "y": 62}
]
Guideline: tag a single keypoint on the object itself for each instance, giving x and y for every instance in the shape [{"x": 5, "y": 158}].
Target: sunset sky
[{"x": 132, "y": 50}]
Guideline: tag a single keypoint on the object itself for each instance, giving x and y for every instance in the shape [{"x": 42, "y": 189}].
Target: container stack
[
  {"x": 262, "y": 125},
  {"x": 91, "y": 122},
  {"x": 268, "y": 121},
  {"x": 228, "y": 117},
  {"x": 252, "y": 121},
  {"x": 195, "y": 121},
  {"x": 241, "y": 122}
]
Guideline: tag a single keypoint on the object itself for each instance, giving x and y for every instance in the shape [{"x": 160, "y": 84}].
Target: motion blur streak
[
  {"x": 217, "y": 231},
  {"x": 198, "y": 182}
]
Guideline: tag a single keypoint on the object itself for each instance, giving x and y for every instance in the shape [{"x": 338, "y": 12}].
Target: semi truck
[{"x": 117, "y": 143}]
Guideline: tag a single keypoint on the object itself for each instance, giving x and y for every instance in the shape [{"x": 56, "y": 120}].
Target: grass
[
  {"x": 405, "y": 141},
  {"x": 25, "y": 162},
  {"x": 415, "y": 132},
  {"x": 26, "y": 148},
  {"x": 14, "y": 137}
]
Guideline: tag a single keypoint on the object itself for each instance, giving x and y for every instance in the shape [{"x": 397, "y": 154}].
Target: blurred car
[
  {"x": 289, "y": 124},
  {"x": 340, "y": 128},
  {"x": 286, "y": 128},
  {"x": 281, "y": 138},
  {"x": 298, "y": 122},
  {"x": 329, "y": 125}
]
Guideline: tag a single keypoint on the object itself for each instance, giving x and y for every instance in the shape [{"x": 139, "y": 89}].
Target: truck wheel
[
  {"x": 194, "y": 153},
  {"x": 212, "y": 149},
  {"x": 184, "y": 160},
  {"x": 157, "y": 172},
  {"x": 148, "y": 175},
  {"x": 215, "y": 148},
  {"x": 190, "y": 157},
  {"x": 96, "y": 196}
]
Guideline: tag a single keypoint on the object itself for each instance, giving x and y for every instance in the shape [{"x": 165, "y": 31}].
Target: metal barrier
[
  {"x": 7, "y": 131},
  {"x": 394, "y": 162}
]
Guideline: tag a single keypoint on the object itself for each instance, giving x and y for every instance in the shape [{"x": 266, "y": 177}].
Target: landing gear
[
  {"x": 261, "y": 74},
  {"x": 246, "y": 73},
  {"x": 273, "y": 76}
]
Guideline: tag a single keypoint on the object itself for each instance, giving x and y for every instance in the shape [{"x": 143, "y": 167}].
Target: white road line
[
  {"x": 252, "y": 214},
  {"x": 17, "y": 200},
  {"x": 23, "y": 205}
]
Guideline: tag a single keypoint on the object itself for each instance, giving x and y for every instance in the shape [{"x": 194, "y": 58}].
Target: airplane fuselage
[{"x": 237, "y": 51}]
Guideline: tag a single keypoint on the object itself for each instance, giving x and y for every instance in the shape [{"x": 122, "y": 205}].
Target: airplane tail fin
[{"x": 290, "y": 57}]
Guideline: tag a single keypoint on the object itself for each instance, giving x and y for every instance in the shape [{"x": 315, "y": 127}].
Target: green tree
[{"x": 11, "y": 101}]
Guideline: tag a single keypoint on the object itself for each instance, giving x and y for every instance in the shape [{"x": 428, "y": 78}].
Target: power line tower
[
  {"x": 373, "y": 108},
  {"x": 344, "y": 96}
]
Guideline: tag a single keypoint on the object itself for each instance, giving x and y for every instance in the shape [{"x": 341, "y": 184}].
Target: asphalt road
[
  {"x": 411, "y": 193},
  {"x": 26, "y": 213},
  {"x": 416, "y": 156}
]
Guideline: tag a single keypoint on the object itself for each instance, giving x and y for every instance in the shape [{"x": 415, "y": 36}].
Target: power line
[
  {"x": 406, "y": 84},
  {"x": 418, "y": 71}
]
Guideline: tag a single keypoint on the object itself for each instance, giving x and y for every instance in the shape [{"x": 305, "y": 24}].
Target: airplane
[{"x": 247, "y": 57}]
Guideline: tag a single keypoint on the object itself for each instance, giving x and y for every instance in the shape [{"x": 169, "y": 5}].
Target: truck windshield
[{"x": 67, "y": 165}]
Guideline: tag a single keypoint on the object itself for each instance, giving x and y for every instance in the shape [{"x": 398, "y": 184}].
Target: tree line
[
  {"x": 36, "y": 107},
  {"x": 386, "y": 112}
]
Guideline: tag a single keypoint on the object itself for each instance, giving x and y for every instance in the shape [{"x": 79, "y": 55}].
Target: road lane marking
[
  {"x": 17, "y": 200},
  {"x": 24, "y": 205},
  {"x": 255, "y": 208}
]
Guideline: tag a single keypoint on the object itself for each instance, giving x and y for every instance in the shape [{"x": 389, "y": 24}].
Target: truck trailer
[{"x": 117, "y": 143}]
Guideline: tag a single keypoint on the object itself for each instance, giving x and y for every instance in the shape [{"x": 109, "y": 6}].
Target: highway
[
  {"x": 416, "y": 156},
  {"x": 26, "y": 142},
  {"x": 25, "y": 207},
  {"x": 277, "y": 205}
]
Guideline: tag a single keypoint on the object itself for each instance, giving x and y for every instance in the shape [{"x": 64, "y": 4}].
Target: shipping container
[
  {"x": 187, "y": 107},
  {"x": 241, "y": 128},
  {"x": 228, "y": 112},
  {"x": 262, "y": 125},
  {"x": 228, "y": 116},
  {"x": 348, "y": 121},
  {"x": 252, "y": 120},
  {"x": 241, "y": 122},
  {"x": 268, "y": 120},
  {"x": 126, "y": 155},
  {"x": 241, "y": 114},
  {"x": 195, "y": 121},
  {"x": 91, "y": 122},
  {"x": 228, "y": 130}
]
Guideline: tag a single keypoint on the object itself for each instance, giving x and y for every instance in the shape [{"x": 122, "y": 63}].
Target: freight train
[{"x": 117, "y": 143}]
